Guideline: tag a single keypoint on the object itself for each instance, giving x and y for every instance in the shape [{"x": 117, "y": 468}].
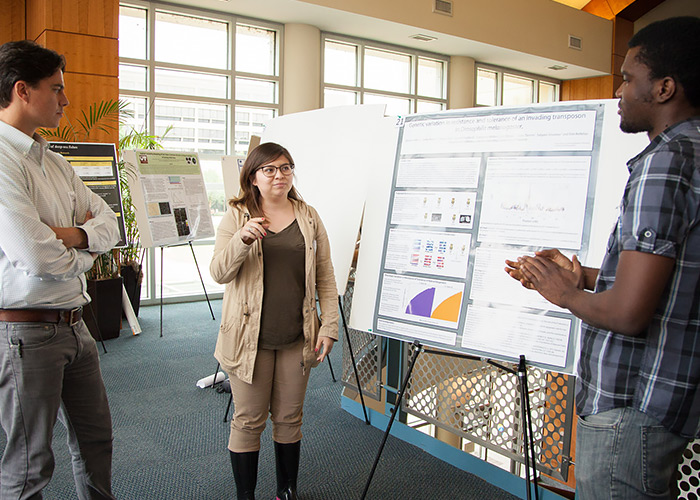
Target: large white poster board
[
  {"x": 337, "y": 152},
  {"x": 469, "y": 189},
  {"x": 169, "y": 196}
]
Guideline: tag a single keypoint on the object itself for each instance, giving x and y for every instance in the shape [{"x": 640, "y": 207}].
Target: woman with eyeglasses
[{"x": 273, "y": 255}]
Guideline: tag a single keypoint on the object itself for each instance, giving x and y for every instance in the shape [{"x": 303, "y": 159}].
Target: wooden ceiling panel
[{"x": 627, "y": 9}]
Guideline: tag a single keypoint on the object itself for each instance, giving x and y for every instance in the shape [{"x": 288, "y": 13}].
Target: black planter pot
[
  {"x": 105, "y": 309},
  {"x": 133, "y": 276}
]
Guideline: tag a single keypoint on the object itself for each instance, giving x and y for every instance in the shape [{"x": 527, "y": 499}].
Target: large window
[
  {"x": 206, "y": 82},
  {"x": 362, "y": 72},
  {"x": 497, "y": 86}
]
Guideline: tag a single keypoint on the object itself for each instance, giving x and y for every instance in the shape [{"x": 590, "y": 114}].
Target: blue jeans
[
  {"x": 625, "y": 454},
  {"x": 50, "y": 371}
]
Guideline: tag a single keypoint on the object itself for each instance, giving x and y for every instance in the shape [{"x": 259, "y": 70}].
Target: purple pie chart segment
[{"x": 422, "y": 304}]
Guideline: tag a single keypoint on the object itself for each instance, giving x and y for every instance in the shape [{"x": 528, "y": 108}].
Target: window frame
[
  {"x": 151, "y": 96},
  {"x": 360, "y": 88},
  {"x": 501, "y": 72}
]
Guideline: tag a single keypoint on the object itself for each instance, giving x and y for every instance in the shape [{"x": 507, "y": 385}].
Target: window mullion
[
  {"x": 414, "y": 83},
  {"x": 230, "y": 146}
]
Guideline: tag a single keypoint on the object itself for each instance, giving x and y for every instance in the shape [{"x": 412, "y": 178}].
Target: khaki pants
[{"x": 278, "y": 388}]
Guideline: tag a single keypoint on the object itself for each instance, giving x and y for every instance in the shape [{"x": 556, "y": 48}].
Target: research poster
[
  {"x": 470, "y": 189},
  {"x": 96, "y": 165},
  {"x": 170, "y": 197}
]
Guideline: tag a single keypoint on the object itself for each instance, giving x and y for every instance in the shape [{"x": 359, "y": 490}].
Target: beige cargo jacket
[{"x": 240, "y": 268}]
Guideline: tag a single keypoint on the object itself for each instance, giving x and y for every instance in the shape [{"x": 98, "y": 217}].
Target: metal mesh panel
[
  {"x": 367, "y": 351},
  {"x": 481, "y": 403},
  {"x": 689, "y": 472}
]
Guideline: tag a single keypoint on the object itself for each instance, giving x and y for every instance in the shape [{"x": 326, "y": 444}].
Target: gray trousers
[{"x": 48, "y": 371}]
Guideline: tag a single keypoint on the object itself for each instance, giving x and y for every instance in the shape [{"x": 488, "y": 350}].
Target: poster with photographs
[
  {"x": 169, "y": 197},
  {"x": 469, "y": 189}
]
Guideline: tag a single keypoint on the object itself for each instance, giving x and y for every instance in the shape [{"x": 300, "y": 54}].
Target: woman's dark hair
[
  {"x": 27, "y": 61},
  {"x": 670, "y": 48},
  {"x": 250, "y": 195}
]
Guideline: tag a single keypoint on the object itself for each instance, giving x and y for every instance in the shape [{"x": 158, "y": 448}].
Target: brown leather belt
[{"x": 70, "y": 316}]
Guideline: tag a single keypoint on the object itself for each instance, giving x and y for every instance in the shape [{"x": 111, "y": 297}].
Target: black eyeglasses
[{"x": 271, "y": 170}]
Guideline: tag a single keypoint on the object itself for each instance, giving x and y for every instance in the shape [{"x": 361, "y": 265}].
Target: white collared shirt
[{"x": 38, "y": 190}]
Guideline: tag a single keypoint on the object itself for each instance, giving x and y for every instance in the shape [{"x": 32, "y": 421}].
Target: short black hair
[
  {"x": 27, "y": 61},
  {"x": 672, "y": 48}
]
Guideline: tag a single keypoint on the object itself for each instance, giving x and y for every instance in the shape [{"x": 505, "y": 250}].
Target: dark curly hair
[{"x": 672, "y": 48}]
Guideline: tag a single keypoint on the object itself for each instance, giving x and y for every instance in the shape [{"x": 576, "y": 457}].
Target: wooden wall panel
[
  {"x": 86, "y": 32},
  {"x": 84, "y": 53},
  {"x": 622, "y": 32},
  {"x": 12, "y": 21},
  {"x": 87, "y": 17},
  {"x": 83, "y": 90},
  {"x": 588, "y": 88}
]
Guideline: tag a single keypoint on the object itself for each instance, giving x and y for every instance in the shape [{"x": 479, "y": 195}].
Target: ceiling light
[
  {"x": 557, "y": 67},
  {"x": 423, "y": 38}
]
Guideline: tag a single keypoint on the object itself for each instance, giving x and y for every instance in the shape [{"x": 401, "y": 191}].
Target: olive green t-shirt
[{"x": 281, "y": 321}]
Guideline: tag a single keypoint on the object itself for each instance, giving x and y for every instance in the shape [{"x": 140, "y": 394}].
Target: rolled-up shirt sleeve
[{"x": 657, "y": 217}]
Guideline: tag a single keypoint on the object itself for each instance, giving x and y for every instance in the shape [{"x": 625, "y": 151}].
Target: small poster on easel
[
  {"x": 169, "y": 196},
  {"x": 96, "y": 165}
]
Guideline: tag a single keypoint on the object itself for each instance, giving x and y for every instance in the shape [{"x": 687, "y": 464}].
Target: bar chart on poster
[{"x": 470, "y": 189}]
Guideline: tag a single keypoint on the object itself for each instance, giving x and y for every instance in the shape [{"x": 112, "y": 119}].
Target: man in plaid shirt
[{"x": 637, "y": 388}]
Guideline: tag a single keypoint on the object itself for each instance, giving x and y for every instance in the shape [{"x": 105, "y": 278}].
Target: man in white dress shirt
[{"x": 53, "y": 227}]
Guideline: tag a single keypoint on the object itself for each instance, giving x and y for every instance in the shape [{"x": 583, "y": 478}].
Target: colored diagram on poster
[
  {"x": 421, "y": 300},
  {"x": 428, "y": 252},
  {"x": 453, "y": 173},
  {"x": 542, "y": 339},
  {"x": 535, "y": 201},
  {"x": 449, "y": 209}
]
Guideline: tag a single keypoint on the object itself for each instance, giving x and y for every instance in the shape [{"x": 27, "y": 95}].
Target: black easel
[
  {"x": 416, "y": 347},
  {"x": 200, "y": 279},
  {"x": 528, "y": 436},
  {"x": 99, "y": 333},
  {"x": 352, "y": 358},
  {"x": 526, "y": 418}
]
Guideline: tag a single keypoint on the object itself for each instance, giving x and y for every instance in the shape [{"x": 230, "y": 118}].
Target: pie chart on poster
[{"x": 423, "y": 304}]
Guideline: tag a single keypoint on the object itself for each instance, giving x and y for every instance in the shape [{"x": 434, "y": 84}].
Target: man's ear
[
  {"x": 21, "y": 90},
  {"x": 665, "y": 89}
]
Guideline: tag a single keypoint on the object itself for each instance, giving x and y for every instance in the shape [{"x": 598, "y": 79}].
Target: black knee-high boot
[
  {"x": 287, "y": 460},
  {"x": 245, "y": 473}
]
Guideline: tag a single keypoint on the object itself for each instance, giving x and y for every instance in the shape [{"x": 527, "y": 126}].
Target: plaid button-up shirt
[{"x": 657, "y": 372}]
